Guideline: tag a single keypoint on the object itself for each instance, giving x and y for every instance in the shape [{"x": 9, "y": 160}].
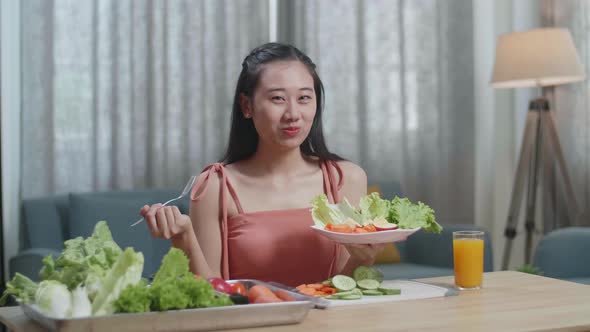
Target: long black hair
[{"x": 243, "y": 138}]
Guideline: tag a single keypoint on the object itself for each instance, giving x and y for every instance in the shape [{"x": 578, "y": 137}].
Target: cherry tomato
[
  {"x": 220, "y": 285},
  {"x": 238, "y": 288}
]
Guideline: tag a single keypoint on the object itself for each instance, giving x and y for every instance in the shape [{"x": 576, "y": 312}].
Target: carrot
[
  {"x": 307, "y": 291},
  {"x": 283, "y": 295},
  {"x": 301, "y": 286},
  {"x": 256, "y": 291},
  {"x": 340, "y": 228},
  {"x": 266, "y": 298},
  {"x": 360, "y": 230},
  {"x": 370, "y": 228},
  {"x": 329, "y": 290},
  {"x": 315, "y": 286}
]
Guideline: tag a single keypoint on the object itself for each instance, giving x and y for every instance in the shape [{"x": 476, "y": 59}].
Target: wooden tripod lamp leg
[
  {"x": 522, "y": 173},
  {"x": 552, "y": 140}
]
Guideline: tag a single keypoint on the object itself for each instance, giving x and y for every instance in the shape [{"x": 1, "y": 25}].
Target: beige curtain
[
  {"x": 571, "y": 106},
  {"x": 399, "y": 91},
  {"x": 124, "y": 94}
]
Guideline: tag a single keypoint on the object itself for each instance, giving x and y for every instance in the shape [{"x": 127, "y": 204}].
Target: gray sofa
[
  {"x": 49, "y": 221},
  {"x": 565, "y": 254}
]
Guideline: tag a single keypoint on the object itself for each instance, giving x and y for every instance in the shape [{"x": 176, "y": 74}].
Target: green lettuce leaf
[
  {"x": 83, "y": 260},
  {"x": 175, "y": 264},
  {"x": 408, "y": 215},
  {"x": 126, "y": 271},
  {"x": 324, "y": 213},
  {"x": 21, "y": 287},
  {"x": 372, "y": 206},
  {"x": 134, "y": 298},
  {"x": 175, "y": 287}
]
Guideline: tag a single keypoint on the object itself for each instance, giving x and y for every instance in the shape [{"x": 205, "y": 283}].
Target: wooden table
[{"x": 509, "y": 301}]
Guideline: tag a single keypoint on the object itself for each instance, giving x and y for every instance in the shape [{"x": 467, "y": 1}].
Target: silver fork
[{"x": 185, "y": 191}]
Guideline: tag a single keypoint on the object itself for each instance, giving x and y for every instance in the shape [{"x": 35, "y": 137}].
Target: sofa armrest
[{"x": 29, "y": 262}]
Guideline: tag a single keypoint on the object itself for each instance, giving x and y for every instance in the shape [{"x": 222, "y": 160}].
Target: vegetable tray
[{"x": 202, "y": 319}]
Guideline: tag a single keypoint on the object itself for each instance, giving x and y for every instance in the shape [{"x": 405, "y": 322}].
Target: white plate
[{"x": 366, "y": 238}]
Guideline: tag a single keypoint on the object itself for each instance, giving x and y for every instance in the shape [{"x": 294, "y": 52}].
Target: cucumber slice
[
  {"x": 390, "y": 291},
  {"x": 372, "y": 292},
  {"x": 367, "y": 272},
  {"x": 357, "y": 291},
  {"x": 351, "y": 297},
  {"x": 340, "y": 295},
  {"x": 343, "y": 283},
  {"x": 368, "y": 284}
]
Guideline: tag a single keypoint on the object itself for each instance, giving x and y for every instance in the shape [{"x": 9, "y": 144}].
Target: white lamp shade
[{"x": 540, "y": 57}]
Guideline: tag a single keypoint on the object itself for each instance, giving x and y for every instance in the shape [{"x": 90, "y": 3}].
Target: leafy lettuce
[
  {"x": 408, "y": 215},
  {"x": 372, "y": 207},
  {"x": 324, "y": 213},
  {"x": 84, "y": 260},
  {"x": 126, "y": 271},
  {"x": 173, "y": 287}
]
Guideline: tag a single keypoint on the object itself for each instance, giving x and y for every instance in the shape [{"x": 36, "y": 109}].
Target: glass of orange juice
[{"x": 468, "y": 259}]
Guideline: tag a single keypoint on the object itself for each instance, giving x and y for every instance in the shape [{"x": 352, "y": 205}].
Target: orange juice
[{"x": 468, "y": 261}]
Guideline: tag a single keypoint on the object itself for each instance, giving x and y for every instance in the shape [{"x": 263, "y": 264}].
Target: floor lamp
[{"x": 536, "y": 58}]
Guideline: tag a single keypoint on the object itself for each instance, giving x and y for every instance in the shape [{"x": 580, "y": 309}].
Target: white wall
[{"x": 500, "y": 116}]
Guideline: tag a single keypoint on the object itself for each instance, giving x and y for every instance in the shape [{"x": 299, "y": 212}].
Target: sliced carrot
[
  {"x": 370, "y": 228},
  {"x": 341, "y": 228},
  {"x": 320, "y": 293},
  {"x": 360, "y": 230},
  {"x": 315, "y": 286},
  {"x": 329, "y": 290},
  {"x": 307, "y": 291},
  {"x": 301, "y": 286}
]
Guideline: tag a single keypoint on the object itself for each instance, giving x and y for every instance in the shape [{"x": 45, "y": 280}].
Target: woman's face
[{"x": 284, "y": 104}]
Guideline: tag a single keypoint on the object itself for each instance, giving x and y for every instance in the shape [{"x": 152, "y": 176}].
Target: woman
[{"x": 249, "y": 216}]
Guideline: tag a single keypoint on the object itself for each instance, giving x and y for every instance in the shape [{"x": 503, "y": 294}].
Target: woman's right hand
[{"x": 166, "y": 222}]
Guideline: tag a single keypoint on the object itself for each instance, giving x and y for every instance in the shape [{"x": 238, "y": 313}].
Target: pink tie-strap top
[{"x": 276, "y": 245}]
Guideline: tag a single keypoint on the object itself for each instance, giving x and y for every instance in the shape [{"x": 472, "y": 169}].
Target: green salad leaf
[
  {"x": 21, "y": 287},
  {"x": 173, "y": 287},
  {"x": 324, "y": 213},
  {"x": 372, "y": 208},
  {"x": 83, "y": 259},
  {"x": 126, "y": 271},
  {"x": 409, "y": 215},
  {"x": 135, "y": 298}
]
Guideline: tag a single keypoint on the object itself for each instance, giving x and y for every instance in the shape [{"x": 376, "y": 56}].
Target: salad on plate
[{"x": 375, "y": 220}]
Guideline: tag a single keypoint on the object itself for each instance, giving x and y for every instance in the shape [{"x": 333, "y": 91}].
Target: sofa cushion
[
  {"x": 45, "y": 222},
  {"x": 554, "y": 253},
  {"x": 412, "y": 271},
  {"x": 120, "y": 210}
]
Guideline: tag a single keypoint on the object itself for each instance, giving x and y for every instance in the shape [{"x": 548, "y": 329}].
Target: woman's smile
[{"x": 291, "y": 131}]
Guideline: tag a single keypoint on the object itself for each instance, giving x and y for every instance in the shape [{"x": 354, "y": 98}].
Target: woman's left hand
[{"x": 364, "y": 254}]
